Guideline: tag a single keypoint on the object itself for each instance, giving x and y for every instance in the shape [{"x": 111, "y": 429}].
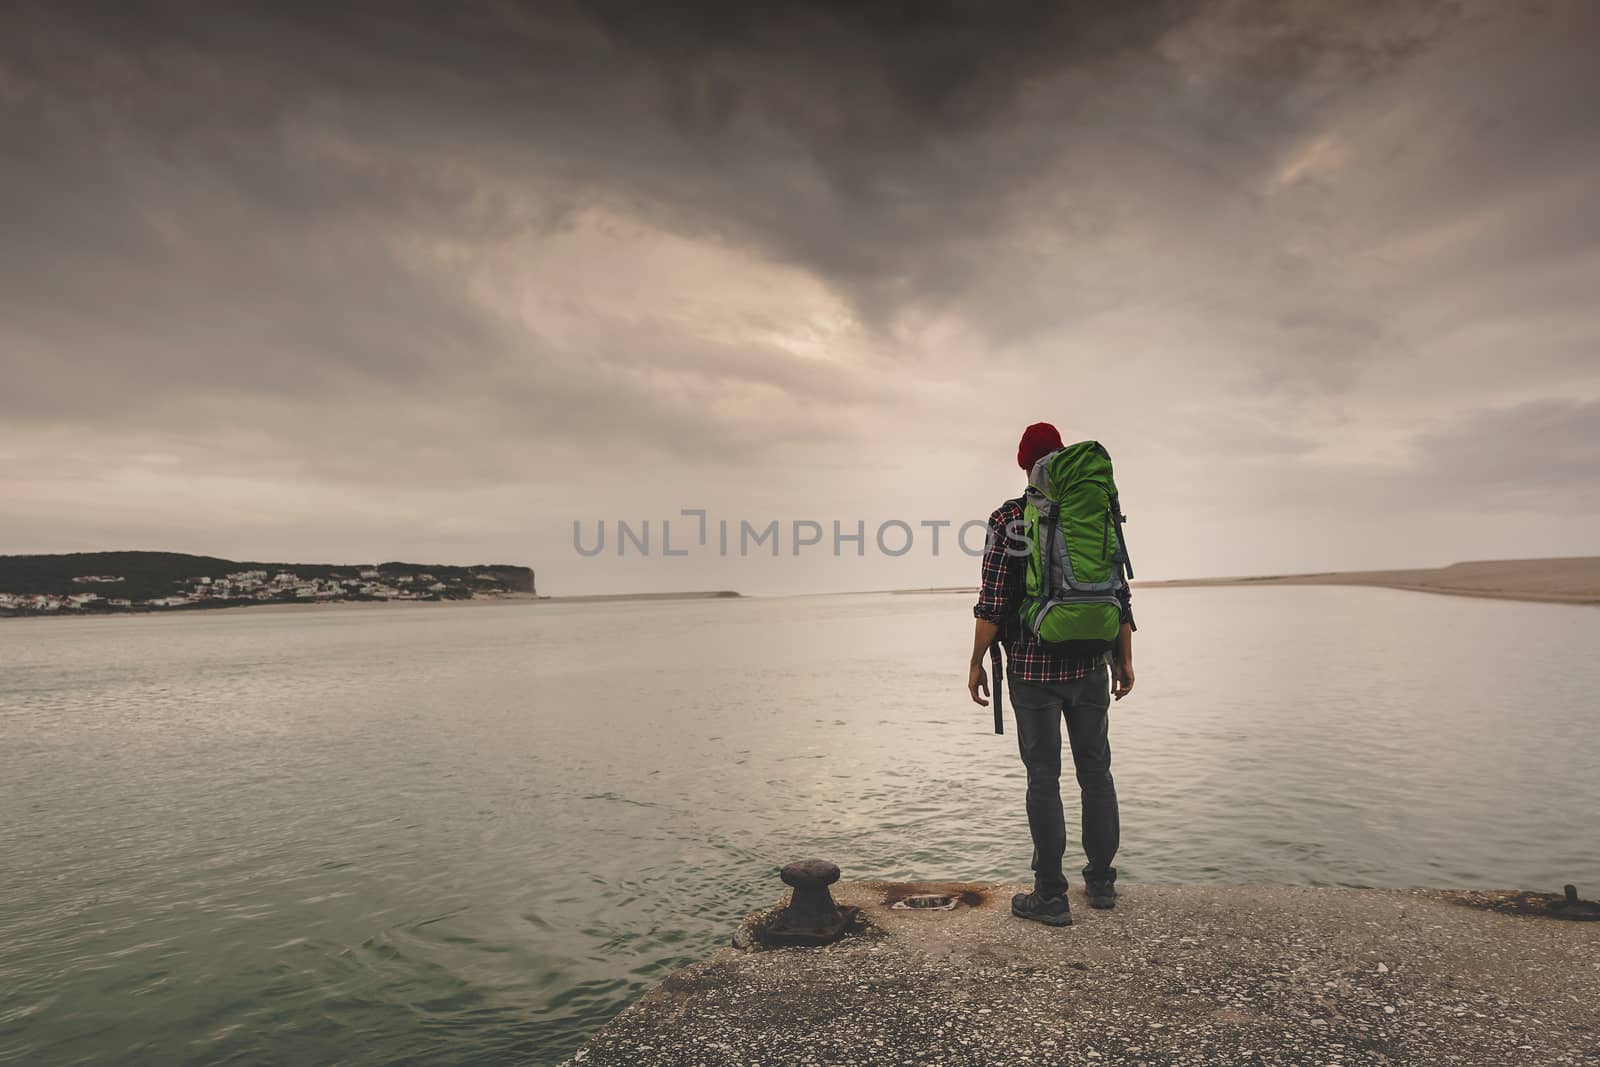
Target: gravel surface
[{"x": 1174, "y": 975}]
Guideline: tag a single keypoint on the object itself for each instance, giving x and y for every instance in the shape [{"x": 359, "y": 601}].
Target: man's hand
[
  {"x": 1122, "y": 674},
  {"x": 984, "y": 634},
  {"x": 978, "y": 679},
  {"x": 1122, "y": 663}
]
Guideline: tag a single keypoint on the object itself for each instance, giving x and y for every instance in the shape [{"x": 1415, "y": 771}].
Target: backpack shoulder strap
[
  {"x": 1016, "y": 583},
  {"x": 1121, "y": 558}
]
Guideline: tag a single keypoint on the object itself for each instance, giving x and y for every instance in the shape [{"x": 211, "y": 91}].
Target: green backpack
[{"x": 1077, "y": 560}]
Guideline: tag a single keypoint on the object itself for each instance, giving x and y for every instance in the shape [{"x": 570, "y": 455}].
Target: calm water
[{"x": 464, "y": 834}]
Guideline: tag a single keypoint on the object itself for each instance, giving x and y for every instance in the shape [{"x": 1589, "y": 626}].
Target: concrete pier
[{"x": 1174, "y": 975}]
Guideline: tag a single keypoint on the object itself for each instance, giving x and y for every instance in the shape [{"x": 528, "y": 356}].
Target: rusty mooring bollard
[
  {"x": 812, "y": 918},
  {"x": 1571, "y": 907}
]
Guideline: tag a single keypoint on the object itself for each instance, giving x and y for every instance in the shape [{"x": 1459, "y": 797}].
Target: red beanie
[{"x": 1038, "y": 440}]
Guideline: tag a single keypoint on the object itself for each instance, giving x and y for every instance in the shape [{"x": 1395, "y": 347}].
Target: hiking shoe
[
  {"x": 1052, "y": 911},
  {"x": 1102, "y": 895}
]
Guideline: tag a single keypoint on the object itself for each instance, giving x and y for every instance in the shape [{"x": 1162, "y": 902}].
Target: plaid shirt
[{"x": 1026, "y": 659}]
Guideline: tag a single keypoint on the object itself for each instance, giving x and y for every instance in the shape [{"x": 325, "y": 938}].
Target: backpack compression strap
[{"x": 999, "y": 676}]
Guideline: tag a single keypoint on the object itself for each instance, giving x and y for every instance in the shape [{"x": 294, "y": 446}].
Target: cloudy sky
[{"x": 370, "y": 281}]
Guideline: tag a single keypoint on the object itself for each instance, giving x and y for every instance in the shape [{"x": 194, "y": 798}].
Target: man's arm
[
  {"x": 1122, "y": 657},
  {"x": 1122, "y": 666},
  {"x": 984, "y": 633},
  {"x": 989, "y": 609}
]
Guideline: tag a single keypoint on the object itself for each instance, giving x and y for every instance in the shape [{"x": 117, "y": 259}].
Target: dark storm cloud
[
  {"x": 849, "y": 138},
  {"x": 438, "y": 245},
  {"x": 249, "y": 169},
  {"x": 266, "y": 200}
]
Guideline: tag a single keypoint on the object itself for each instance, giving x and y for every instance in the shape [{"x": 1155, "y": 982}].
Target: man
[{"x": 1045, "y": 687}]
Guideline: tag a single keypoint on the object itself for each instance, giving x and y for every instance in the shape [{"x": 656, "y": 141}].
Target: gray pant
[{"x": 1039, "y": 708}]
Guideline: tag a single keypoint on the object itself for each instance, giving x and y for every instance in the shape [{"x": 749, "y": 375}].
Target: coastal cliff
[{"x": 143, "y": 581}]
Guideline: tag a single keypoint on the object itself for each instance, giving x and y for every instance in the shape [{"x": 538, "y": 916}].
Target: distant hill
[
  {"x": 145, "y": 575},
  {"x": 1561, "y": 580}
]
